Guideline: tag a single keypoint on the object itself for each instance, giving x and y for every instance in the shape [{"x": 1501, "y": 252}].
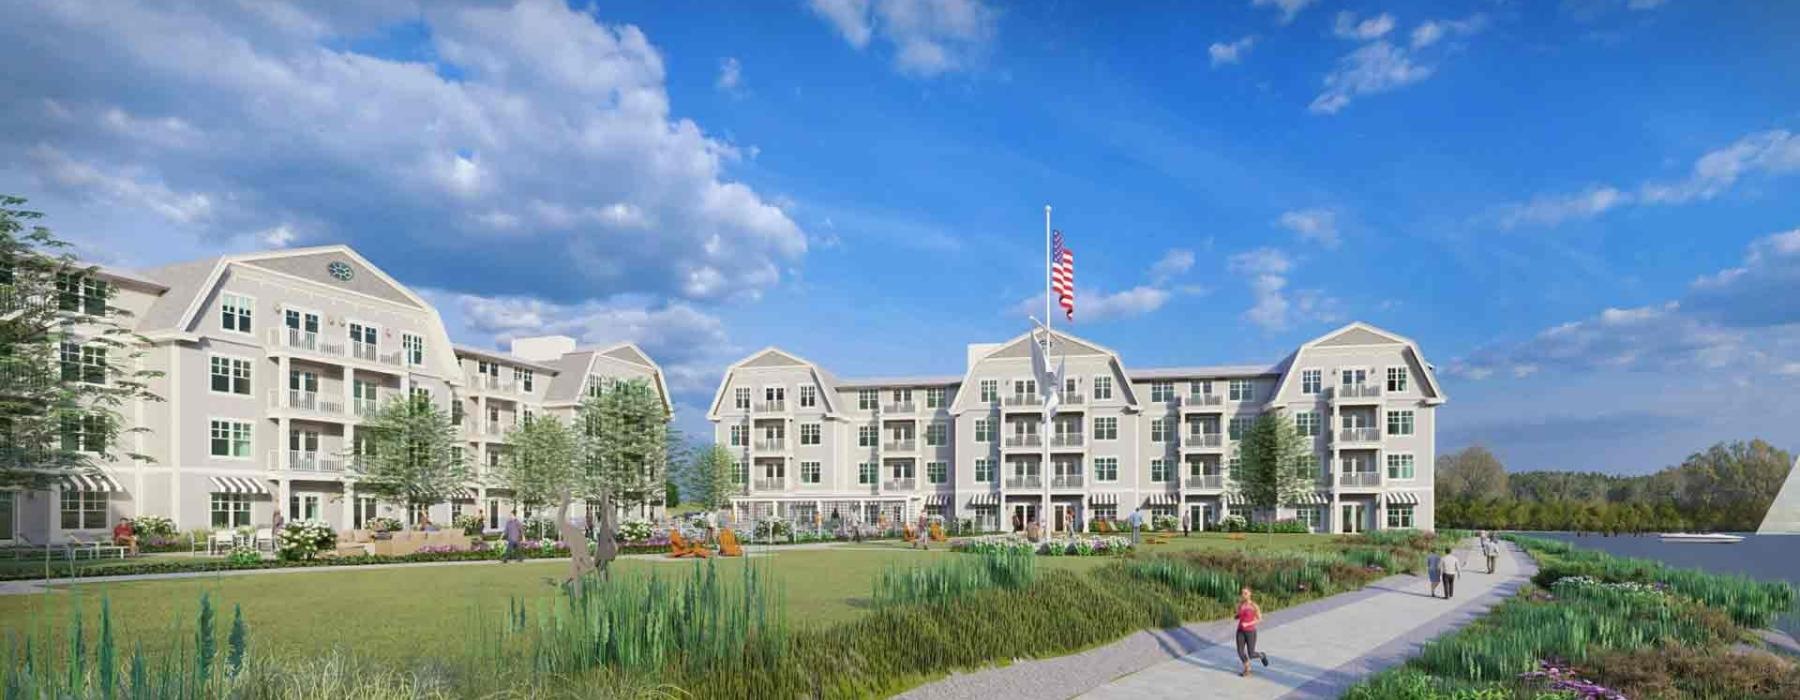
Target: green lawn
[{"x": 428, "y": 610}]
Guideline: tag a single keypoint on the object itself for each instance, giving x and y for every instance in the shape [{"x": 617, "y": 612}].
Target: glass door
[
  {"x": 8, "y": 516},
  {"x": 1353, "y": 518},
  {"x": 1061, "y": 517},
  {"x": 1197, "y": 516}
]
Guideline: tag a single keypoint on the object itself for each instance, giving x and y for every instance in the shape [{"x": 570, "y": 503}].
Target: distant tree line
[{"x": 1729, "y": 486}]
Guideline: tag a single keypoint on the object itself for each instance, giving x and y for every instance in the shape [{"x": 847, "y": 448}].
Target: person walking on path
[
  {"x": 1434, "y": 570},
  {"x": 924, "y": 536},
  {"x": 1451, "y": 567},
  {"x": 513, "y": 533},
  {"x": 1137, "y": 523},
  {"x": 1249, "y": 614},
  {"x": 1490, "y": 549}
]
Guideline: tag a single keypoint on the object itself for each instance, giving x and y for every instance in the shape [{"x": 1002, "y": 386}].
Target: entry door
[
  {"x": 1025, "y": 513},
  {"x": 8, "y": 516},
  {"x": 1062, "y": 516},
  {"x": 1197, "y": 516},
  {"x": 1353, "y": 517}
]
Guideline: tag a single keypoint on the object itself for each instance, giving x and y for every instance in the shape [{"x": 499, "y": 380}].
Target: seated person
[{"x": 125, "y": 536}]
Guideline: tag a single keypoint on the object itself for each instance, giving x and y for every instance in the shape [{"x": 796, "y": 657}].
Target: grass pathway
[{"x": 1318, "y": 649}]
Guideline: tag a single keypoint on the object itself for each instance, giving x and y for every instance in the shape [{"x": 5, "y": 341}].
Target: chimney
[{"x": 543, "y": 348}]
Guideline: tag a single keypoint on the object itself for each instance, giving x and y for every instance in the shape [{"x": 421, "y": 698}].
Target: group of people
[{"x": 1445, "y": 568}]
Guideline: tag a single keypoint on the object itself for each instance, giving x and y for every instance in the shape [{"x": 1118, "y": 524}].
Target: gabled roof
[
  {"x": 1358, "y": 333},
  {"x": 899, "y": 382},
  {"x": 1203, "y": 372},
  {"x": 776, "y": 357},
  {"x": 502, "y": 358},
  {"x": 572, "y": 370},
  {"x": 1019, "y": 347}
]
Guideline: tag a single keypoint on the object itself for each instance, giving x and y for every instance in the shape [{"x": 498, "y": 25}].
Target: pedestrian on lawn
[
  {"x": 1249, "y": 614},
  {"x": 513, "y": 533},
  {"x": 1137, "y": 523},
  {"x": 1186, "y": 525},
  {"x": 1434, "y": 570},
  {"x": 922, "y": 541},
  {"x": 1452, "y": 567}
]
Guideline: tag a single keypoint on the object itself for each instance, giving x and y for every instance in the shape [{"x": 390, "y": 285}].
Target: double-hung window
[
  {"x": 809, "y": 433},
  {"x": 937, "y": 472},
  {"x": 984, "y": 471},
  {"x": 84, "y": 433},
  {"x": 235, "y": 311},
  {"x": 1399, "y": 516},
  {"x": 739, "y": 436},
  {"x": 1311, "y": 380},
  {"x": 83, "y": 363},
  {"x": 1106, "y": 428},
  {"x": 937, "y": 434},
  {"x": 1399, "y": 465},
  {"x": 1238, "y": 426},
  {"x": 984, "y": 430},
  {"x": 525, "y": 378},
  {"x": 867, "y": 399},
  {"x": 934, "y": 397},
  {"x": 867, "y": 435},
  {"x": 1159, "y": 470},
  {"x": 1159, "y": 430},
  {"x": 809, "y": 396},
  {"x": 1400, "y": 422},
  {"x": 1242, "y": 390},
  {"x": 1162, "y": 392},
  {"x": 1106, "y": 468},
  {"x": 809, "y": 472},
  {"x": 1307, "y": 423},
  {"x": 1103, "y": 386},
  {"x": 414, "y": 347},
  {"x": 740, "y": 398},
  {"x": 867, "y": 473},
  {"x": 230, "y": 375},
  {"x": 230, "y": 439},
  {"x": 83, "y": 510},
  {"x": 1396, "y": 379},
  {"x": 82, "y": 294},
  {"x": 990, "y": 390}
]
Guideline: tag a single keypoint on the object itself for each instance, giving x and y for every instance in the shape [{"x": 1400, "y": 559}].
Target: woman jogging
[{"x": 1249, "y": 614}]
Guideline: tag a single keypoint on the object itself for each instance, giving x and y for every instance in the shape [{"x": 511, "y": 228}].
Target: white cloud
[
  {"x": 277, "y": 237},
  {"x": 1316, "y": 225},
  {"x": 1431, "y": 32},
  {"x": 1273, "y": 306},
  {"x": 731, "y": 75},
  {"x": 227, "y": 118},
  {"x": 1233, "y": 52},
  {"x": 1773, "y": 152},
  {"x": 1374, "y": 68},
  {"x": 1174, "y": 263},
  {"x": 1286, "y": 10},
  {"x": 928, "y": 37},
  {"x": 1372, "y": 28},
  {"x": 690, "y": 344}
]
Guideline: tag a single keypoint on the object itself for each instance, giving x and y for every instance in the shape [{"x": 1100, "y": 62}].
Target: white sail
[{"x": 1784, "y": 513}]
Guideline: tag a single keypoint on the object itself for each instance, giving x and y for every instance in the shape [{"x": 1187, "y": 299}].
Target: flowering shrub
[
  {"x": 470, "y": 523},
  {"x": 439, "y": 549},
  {"x": 383, "y": 524},
  {"x": 1564, "y": 679},
  {"x": 1167, "y": 523},
  {"x": 773, "y": 529},
  {"x": 152, "y": 525},
  {"x": 1080, "y": 545},
  {"x": 540, "y": 527},
  {"x": 634, "y": 530},
  {"x": 1233, "y": 523},
  {"x": 302, "y": 539},
  {"x": 242, "y": 555}
]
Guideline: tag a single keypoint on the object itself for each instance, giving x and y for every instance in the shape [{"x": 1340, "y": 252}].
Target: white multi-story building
[
  {"x": 269, "y": 362},
  {"x": 810, "y": 445}
]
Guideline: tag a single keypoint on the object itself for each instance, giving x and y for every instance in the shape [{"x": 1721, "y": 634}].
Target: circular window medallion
[{"x": 341, "y": 271}]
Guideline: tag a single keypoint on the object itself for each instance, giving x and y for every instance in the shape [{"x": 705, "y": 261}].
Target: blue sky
[{"x": 1581, "y": 210}]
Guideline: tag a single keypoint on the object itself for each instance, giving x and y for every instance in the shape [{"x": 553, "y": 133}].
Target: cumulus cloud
[
  {"x": 1766, "y": 153},
  {"x": 1316, "y": 225},
  {"x": 1274, "y": 307},
  {"x": 928, "y": 37},
  {"x": 1743, "y": 319},
  {"x": 690, "y": 344},
  {"x": 1347, "y": 27},
  {"x": 1285, "y": 10},
  {"x": 1174, "y": 263},
  {"x": 1380, "y": 65},
  {"x": 216, "y": 119},
  {"x": 731, "y": 75},
  {"x": 1231, "y": 52}
]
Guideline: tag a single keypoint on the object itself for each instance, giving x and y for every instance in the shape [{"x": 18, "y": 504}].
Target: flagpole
[{"x": 1044, "y": 466}]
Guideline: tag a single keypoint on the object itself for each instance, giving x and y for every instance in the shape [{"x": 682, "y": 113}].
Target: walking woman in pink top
[{"x": 1249, "y": 614}]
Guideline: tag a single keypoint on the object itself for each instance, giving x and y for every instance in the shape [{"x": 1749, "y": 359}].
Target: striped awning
[
  {"x": 238, "y": 484},
  {"x": 1161, "y": 499},
  {"x": 1312, "y": 499},
  {"x": 1236, "y": 499},
  {"x": 984, "y": 499},
  {"x": 465, "y": 495},
  {"x": 935, "y": 499},
  {"x": 1403, "y": 498},
  {"x": 90, "y": 483},
  {"x": 1104, "y": 499}
]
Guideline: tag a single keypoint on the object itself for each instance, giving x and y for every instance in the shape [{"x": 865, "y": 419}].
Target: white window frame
[
  {"x": 1162, "y": 391},
  {"x": 741, "y": 397},
  {"x": 984, "y": 430},
  {"x": 942, "y": 432},
  {"x": 1102, "y": 387},
  {"x": 817, "y": 433},
  {"x": 868, "y": 473},
  {"x": 1410, "y": 521},
  {"x": 231, "y": 438},
  {"x": 943, "y": 472},
  {"x": 1106, "y": 428},
  {"x": 1312, "y": 381},
  {"x": 1159, "y": 467},
  {"x": 1307, "y": 428},
  {"x": 817, "y": 471},
  {"x": 1159, "y": 430},
  {"x": 990, "y": 390},
  {"x": 247, "y": 317},
  {"x": 1409, "y": 422},
  {"x": 1400, "y": 373},
  {"x": 1241, "y": 390},
  {"x": 868, "y": 399},
  {"x": 1106, "y": 469},
  {"x": 407, "y": 343},
  {"x": 868, "y": 435},
  {"x": 984, "y": 467},
  {"x": 249, "y": 378},
  {"x": 1412, "y": 469},
  {"x": 807, "y": 396}
]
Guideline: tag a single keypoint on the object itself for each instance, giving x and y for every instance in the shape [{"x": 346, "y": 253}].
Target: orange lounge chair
[
  {"x": 907, "y": 533},
  {"x": 1103, "y": 527},
  {"x": 679, "y": 547},
  {"x": 937, "y": 532},
  {"x": 728, "y": 545}
]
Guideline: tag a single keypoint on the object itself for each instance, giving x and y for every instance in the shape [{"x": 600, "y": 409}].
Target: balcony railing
[
  {"x": 1068, "y": 440},
  {"x": 365, "y": 407},
  {"x": 1359, "y": 435},
  {"x": 1073, "y": 399},
  {"x": 771, "y": 407},
  {"x": 1359, "y": 479},
  {"x": 1066, "y": 481},
  {"x": 1203, "y": 400},
  {"x": 314, "y": 461},
  {"x": 1024, "y": 401},
  {"x": 363, "y": 351},
  {"x": 1211, "y": 482},
  {"x": 771, "y": 445},
  {"x": 906, "y": 484},
  {"x": 1203, "y": 440},
  {"x": 488, "y": 382},
  {"x": 1359, "y": 391},
  {"x": 899, "y": 407},
  {"x": 776, "y": 484},
  {"x": 395, "y": 358},
  {"x": 1024, "y": 441},
  {"x": 496, "y": 429},
  {"x": 1024, "y": 482},
  {"x": 308, "y": 341},
  {"x": 899, "y": 445}
]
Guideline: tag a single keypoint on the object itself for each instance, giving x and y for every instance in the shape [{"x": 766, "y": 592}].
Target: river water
[{"x": 1769, "y": 557}]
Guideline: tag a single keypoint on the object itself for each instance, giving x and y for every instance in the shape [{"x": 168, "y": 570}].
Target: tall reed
[{"x": 954, "y": 578}]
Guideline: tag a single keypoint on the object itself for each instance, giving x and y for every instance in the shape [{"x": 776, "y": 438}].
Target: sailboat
[
  {"x": 1702, "y": 537},
  {"x": 1784, "y": 513}
]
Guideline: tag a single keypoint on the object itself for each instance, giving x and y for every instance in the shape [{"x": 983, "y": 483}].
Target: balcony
[
  {"x": 1206, "y": 482},
  {"x": 1014, "y": 442},
  {"x": 900, "y": 446},
  {"x": 899, "y": 407},
  {"x": 904, "y": 484},
  {"x": 304, "y": 401},
  {"x": 304, "y": 341},
  {"x": 495, "y": 430},
  {"x": 1204, "y": 440},
  {"x": 1024, "y": 482},
  {"x": 771, "y": 407},
  {"x": 1203, "y": 402},
  {"x": 1024, "y": 402},
  {"x": 775, "y": 484},
  {"x": 365, "y": 407},
  {"x": 775, "y": 445},
  {"x": 1359, "y": 435},
  {"x": 314, "y": 461},
  {"x": 1073, "y": 399},
  {"x": 488, "y": 382},
  {"x": 1359, "y": 479},
  {"x": 1066, "y": 481},
  {"x": 1067, "y": 440},
  {"x": 1357, "y": 392}
]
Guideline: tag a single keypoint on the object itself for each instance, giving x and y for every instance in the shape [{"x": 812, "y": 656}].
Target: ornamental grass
[{"x": 954, "y": 578}]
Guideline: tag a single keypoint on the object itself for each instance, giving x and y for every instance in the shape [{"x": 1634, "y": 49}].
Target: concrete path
[{"x": 1317, "y": 650}]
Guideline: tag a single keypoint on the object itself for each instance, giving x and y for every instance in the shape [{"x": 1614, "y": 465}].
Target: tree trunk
[{"x": 580, "y": 560}]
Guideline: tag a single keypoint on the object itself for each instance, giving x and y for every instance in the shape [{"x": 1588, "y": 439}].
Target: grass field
[{"x": 426, "y": 610}]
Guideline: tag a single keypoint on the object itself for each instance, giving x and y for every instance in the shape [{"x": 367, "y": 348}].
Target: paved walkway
[{"x": 1317, "y": 650}]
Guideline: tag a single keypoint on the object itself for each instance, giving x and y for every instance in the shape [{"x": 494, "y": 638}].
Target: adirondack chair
[
  {"x": 679, "y": 547},
  {"x": 908, "y": 534},
  {"x": 1103, "y": 527},
  {"x": 937, "y": 532},
  {"x": 728, "y": 544}
]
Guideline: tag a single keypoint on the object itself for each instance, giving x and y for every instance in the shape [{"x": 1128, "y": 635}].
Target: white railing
[
  {"x": 1359, "y": 391},
  {"x": 1204, "y": 440},
  {"x": 1031, "y": 440},
  {"x": 1066, "y": 481},
  {"x": 900, "y": 484},
  {"x": 771, "y": 407},
  {"x": 1024, "y": 401},
  {"x": 777, "y": 484},
  {"x": 771, "y": 445},
  {"x": 1024, "y": 482},
  {"x": 1359, "y": 479},
  {"x": 1068, "y": 440},
  {"x": 900, "y": 446},
  {"x": 365, "y": 407},
  {"x": 1211, "y": 482},
  {"x": 1203, "y": 400},
  {"x": 1359, "y": 435},
  {"x": 901, "y": 407}
]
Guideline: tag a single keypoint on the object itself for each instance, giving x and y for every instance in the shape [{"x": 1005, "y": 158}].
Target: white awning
[
  {"x": 935, "y": 499},
  {"x": 238, "y": 484},
  {"x": 465, "y": 495},
  {"x": 1161, "y": 499},
  {"x": 1403, "y": 498},
  {"x": 1312, "y": 499},
  {"x": 96, "y": 482},
  {"x": 984, "y": 499},
  {"x": 1236, "y": 499},
  {"x": 1104, "y": 499}
]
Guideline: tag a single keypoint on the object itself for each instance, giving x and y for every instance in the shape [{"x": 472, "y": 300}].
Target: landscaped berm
[{"x": 837, "y": 620}]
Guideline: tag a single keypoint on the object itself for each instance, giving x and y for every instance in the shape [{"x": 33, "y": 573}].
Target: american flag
[{"x": 1062, "y": 273}]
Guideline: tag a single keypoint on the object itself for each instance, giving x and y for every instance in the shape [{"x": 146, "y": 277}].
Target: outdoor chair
[
  {"x": 728, "y": 544},
  {"x": 265, "y": 539},
  {"x": 937, "y": 532},
  {"x": 908, "y": 534},
  {"x": 222, "y": 541},
  {"x": 94, "y": 548},
  {"x": 679, "y": 547}
]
